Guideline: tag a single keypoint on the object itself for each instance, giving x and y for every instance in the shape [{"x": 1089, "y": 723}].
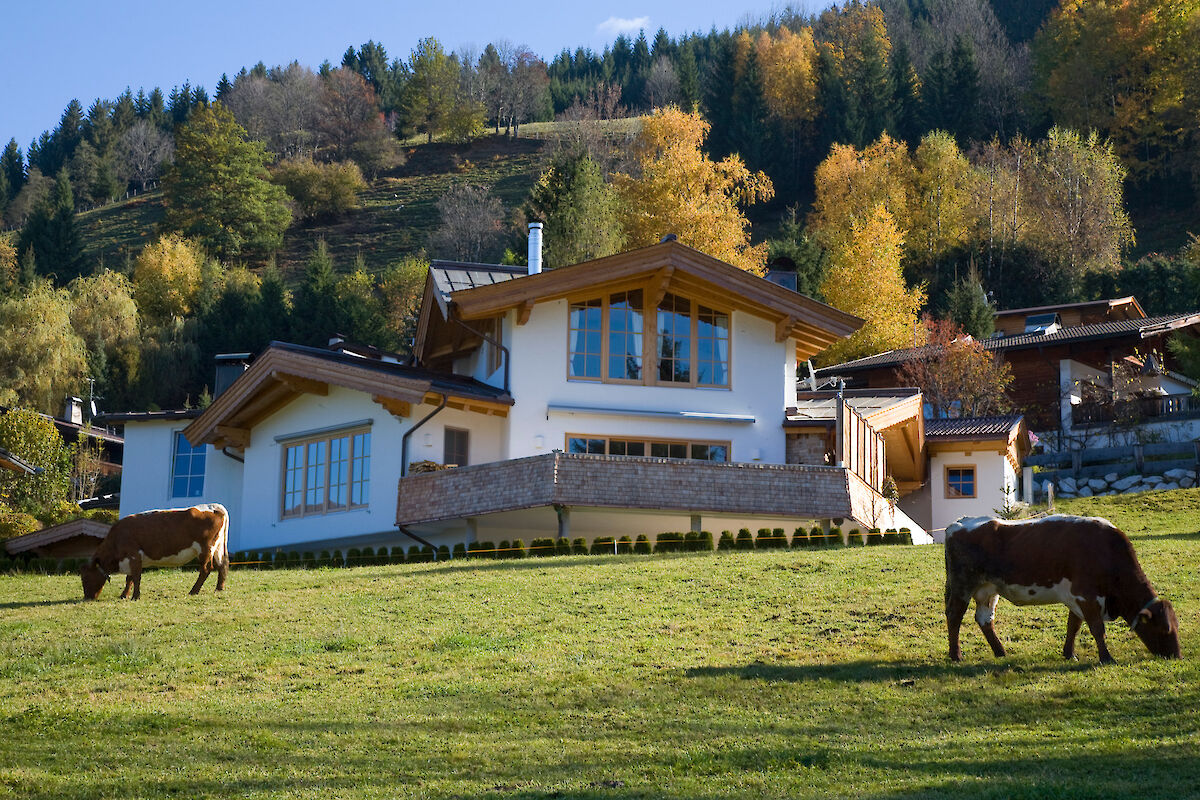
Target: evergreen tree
[
  {"x": 219, "y": 190},
  {"x": 937, "y": 94},
  {"x": 65, "y": 139},
  {"x": 906, "y": 97},
  {"x": 751, "y": 134},
  {"x": 224, "y": 87},
  {"x": 12, "y": 164},
  {"x": 124, "y": 114},
  {"x": 689, "y": 76},
  {"x": 52, "y": 235},
  {"x": 964, "y": 91},
  {"x": 968, "y": 305},
  {"x": 578, "y": 209},
  {"x": 316, "y": 316}
]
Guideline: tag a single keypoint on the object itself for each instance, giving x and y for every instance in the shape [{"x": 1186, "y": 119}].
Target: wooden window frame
[
  {"x": 649, "y": 440},
  {"x": 650, "y": 339},
  {"x": 327, "y": 437},
  {"x": 446, "y": 432},
  {"x": 974, "y": 481}
]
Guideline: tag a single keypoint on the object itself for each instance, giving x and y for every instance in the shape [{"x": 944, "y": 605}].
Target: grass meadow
[{"x": 692, "y": 675}]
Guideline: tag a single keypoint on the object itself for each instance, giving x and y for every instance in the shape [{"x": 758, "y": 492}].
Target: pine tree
[
  {"x": 906, "y": 97},
  {"x": 123, "y": 113},
  {"x": 316, "y": 316},
  {"x": 224, "y": 87},
  {"x": 13, "y": 165},
  {"x": 689, "y": 76},
  {"x": 579, "y": 211},
  {"x": 968, "y": 305},
  {"x": 964, "y": 91},
  {"x": 52, "y": 236}
]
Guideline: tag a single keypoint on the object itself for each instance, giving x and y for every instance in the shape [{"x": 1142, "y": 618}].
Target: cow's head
[
  {"x": 1158, "y": 629},
  {"x": 94, "y": 579}
]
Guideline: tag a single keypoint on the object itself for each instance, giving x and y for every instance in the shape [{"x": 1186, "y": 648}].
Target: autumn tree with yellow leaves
[
  {"x": 675, "y": 188},
  {"x": 865, "y": 279}
]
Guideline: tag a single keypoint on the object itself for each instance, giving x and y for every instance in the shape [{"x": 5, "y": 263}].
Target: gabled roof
[
  {"x": 59, "y": 533},
  {"x": 664, "y": 267},
  {"x": 1134, "y": 308},
  {"x": 877, "y": 406},
  {"x": 16, "y": 463},
  {"x": 284, "y": 371},
  {"x": 972, "y": 427},
  {"x": 1114, "y": 329}
]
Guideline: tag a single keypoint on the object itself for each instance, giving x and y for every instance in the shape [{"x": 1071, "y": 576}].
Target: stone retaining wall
[{"x": 1114, "y": 483}]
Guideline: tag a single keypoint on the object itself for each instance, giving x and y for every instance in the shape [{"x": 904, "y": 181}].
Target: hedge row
[{"x": 670, "y": 542}]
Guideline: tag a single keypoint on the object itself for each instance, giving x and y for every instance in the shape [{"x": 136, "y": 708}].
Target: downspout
[
  {"x": 412, "y": 535},
  {"x": 237, "y": 458},
  {"x": 492, "y": 342},
  {"x": 411, "y": 431}
]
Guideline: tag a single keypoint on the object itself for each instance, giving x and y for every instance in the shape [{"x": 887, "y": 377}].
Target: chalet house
[
  {"x": 649, "y": 391},
  {"x": 1084, "y": 374}
]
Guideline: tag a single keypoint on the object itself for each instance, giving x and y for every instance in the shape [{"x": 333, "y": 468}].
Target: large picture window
[
  {"x": 187, "y": 468},
  {"x": 656, "y": 448},
  {"x": 687, "y": 344},
  {"x": 326, "y": 473}
]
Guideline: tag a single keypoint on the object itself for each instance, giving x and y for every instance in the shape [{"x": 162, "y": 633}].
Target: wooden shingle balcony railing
[
  {"x": 1179, "y": 406},
  {"x": 628, "y": 482}
]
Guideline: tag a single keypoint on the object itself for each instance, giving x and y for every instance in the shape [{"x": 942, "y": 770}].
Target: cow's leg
[
  {"x": 128, "y": 587},
  {"x": 222, "y": 570},
  {"x": 1095, "y": 622},
  {"x": 956, "y": 609},
  {"x": 204, "y": 570},
  {"x": 985, "y": 616},
  {"x": 1073, "y": 623},
  {"x": 135, "y": 577}
]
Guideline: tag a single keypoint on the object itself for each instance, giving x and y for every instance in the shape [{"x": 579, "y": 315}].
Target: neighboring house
[
  {"x": 1084, "y": 374},
  {"x": 77, "y": 538},
  {"x": 649, "y": 391},
  {"x": 15, "y": 463}
]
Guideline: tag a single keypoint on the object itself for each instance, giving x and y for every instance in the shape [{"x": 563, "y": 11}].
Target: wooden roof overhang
[
  {"x": 661, "y": 268},
  {"x": 1013, "y": 444},
  {"x": 280, "y": 375}
]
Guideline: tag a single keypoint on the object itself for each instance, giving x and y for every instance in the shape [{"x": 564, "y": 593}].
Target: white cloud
[{"x": 615, "y": 25}]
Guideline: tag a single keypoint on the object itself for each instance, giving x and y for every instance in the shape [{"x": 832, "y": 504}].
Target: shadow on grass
[
  {"x": 1175, "y": 537},
  {"x": 879, "y": 671},
  {"x": 36, "y": 603},
  {"x": 547, "y": 562}
]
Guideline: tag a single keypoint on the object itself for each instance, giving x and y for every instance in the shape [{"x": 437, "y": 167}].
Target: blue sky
[{"x": 55, "y": 50}]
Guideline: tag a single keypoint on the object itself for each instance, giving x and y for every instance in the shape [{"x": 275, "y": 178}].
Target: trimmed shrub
[
  {"x": 443, "y": 553},
  {"x": 505, "y": 549},
  {"x": 368, "y": 555},
  {"x": 338, "y": 559},
  {"x": 234, "y": 558},
  {"x": 459, "y": 551},
  {"x": 562, "y": 546},
  {"x": 414, "y": 555},
  {"x": 397, "y": 555},
  {"x": 353, "y": 557},
  {"x": 642, "y": 545},
  {"x": 474, "y": 549},
  {"x": 904, "y": 536},
  {"x": 726, "y": 541},
  {"x": 669, "y": 542},
  {"x": 691, "y": 541},
  {"x": 518, "y": 548},
  {"x": 426, "y": 554},
  {"x": 625, "y": 546},
  {"x": 279, "y": 560},
  {"x": 799, "y": 538},
  {"x": 706, "y": 542},
  {"x": 541, "y": 548},
  {"x": 889, "y": 537},
  {"x": 835, "y": 536},
  {"x": 308, "y": 559},
  {"x": 603, "y": 546},
  {"x": 744, "y": 540},
  {"x": 323, "y": 558},
  {"x": 579, "y": 546}
]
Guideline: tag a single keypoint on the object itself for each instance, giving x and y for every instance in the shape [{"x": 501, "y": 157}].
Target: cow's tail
[{"x": 222, "y": 550}]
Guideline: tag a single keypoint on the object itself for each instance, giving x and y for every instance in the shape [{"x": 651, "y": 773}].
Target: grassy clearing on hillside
[
  {"x": 397, "y": 213},
  {"x": 773, "y": 674}
]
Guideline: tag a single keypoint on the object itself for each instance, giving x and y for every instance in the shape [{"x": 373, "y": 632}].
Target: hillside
[
  {"x": 397, "y": 213},
  {"x": 765, "y": 674}
]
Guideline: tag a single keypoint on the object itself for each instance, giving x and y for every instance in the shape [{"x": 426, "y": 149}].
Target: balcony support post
[{"x": 564, "y": 521}]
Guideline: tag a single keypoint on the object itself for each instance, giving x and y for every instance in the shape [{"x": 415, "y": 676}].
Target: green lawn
[{"x": 793, "y": 674}]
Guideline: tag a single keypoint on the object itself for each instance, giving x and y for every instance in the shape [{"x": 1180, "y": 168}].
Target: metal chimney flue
[{"x": 535, "y": 248}]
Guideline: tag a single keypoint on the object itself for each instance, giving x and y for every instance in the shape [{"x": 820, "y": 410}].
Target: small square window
[{"x": 960, "y": 482}]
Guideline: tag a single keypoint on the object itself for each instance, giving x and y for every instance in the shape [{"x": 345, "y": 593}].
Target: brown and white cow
[
  {"x": 1085, "y": 563},
  {"x": 168, "y": 538}
]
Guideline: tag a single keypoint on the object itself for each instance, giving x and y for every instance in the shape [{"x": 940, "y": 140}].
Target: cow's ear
[{"x": 1145, "y": 614}]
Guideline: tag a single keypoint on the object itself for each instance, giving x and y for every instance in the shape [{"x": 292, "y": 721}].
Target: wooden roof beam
[{"x": 300, "y": 384}]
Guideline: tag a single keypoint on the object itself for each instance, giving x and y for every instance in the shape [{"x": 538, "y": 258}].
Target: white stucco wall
[
  {"x": 993, "y": 473},
  {"x": 262, "y": 524},
  {"x": 146, "y": 473},
  {"x": 762, "y": 379}
]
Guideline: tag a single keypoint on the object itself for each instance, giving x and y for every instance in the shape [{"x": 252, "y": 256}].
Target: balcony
[
  {"x": 604, "y": 485},
  {"x": 1142, "y": 409}
]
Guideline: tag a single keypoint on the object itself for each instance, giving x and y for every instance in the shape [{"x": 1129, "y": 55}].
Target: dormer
[{"x": 1044, "y": 324}]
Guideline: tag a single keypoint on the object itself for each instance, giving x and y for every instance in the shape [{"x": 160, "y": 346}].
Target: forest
[{"x": 908, "y": 158}]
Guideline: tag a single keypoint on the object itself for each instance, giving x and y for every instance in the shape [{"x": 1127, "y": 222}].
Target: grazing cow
[
  {"x": 169, "y": 538},
  {"x": 1085, "y": 563}
]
